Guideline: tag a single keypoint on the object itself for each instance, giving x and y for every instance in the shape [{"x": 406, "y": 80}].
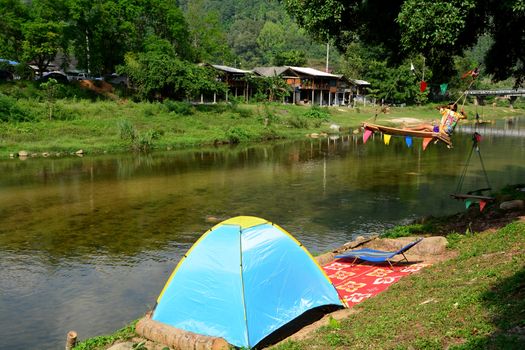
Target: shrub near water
[
  {"x": 236, "y": 135},
  {"x": 178, "y": 107},
  {"x": 317, "y": 112},
  {"x": 10, "y": 111}
]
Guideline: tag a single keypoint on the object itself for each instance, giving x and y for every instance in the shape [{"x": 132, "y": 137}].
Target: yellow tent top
[{"x": 244, "y": 221}]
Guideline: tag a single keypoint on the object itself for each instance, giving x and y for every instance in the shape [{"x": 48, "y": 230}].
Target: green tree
[
  {"x": 393, "y": 84},
  {"x": 450, "y": 31},
  {"x": 159, "y": 73},
  {"x": 13, "y": 14},
  {"x": 207, "y": 37},
  {"x": 103, "y": 31},
  {"x": 51, "y": 87},
  {"x": 438, "y": 29},
  {"x": 42, "y": 41},
  {"x": 242, "y": 38},
  {"x": 295, "y": 58},
  {"x": 271, "y": 41}
]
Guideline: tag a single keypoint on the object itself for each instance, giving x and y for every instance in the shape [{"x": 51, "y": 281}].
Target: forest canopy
[
  {"x": 159, "y": 43},
  {"x": 438, "y": 30}
]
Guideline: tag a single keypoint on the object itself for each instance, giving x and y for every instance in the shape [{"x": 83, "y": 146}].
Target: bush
[
  {"x": 235, "y": 135},
  {"x": 127, "y": 131},
  {"x": 61, "y": 113},
  {"x": 215, "y": 108},
  {"x": 151, "y": 109},
  {"x": 299, "y": 122},
  {"x": 145, "y": 140},
  {"x": 268, "y": 117},
  {"x": 317, "y": 113},
  {"x": 407, "y": 230},
  {"x": 11, "y": 111},
  {"x": 182, "y": 108}
]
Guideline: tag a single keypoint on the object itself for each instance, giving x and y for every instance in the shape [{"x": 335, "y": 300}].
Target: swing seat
[
  {"x": 464, "y": 196},
  {"x": 404, "y": 132},
  {"x": 476, "y": 194}
]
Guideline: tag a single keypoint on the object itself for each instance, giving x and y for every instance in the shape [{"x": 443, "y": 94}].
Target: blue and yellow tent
[{"x": 241, "y": 281}]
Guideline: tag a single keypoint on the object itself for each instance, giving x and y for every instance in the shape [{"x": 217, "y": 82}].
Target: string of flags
[
  {"x": 423, "y": 85},
  {"x": 408, "y": 139},
  {"x": 482, "y": 204}
]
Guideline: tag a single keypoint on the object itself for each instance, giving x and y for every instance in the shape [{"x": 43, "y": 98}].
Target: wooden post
[
  {"x": 214, "y": 98},
  {"x": 71, "y": 340},
  {"x": 313, "y": 96},
  {"x": 321, "y": 99},
  {"x": 226, "y": 95},
  {"x": 329, "y": 98},
  {"x": 202, "y": 98}
]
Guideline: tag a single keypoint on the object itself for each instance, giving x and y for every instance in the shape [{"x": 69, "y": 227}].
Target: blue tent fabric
[{"x": 243, "y": 281}]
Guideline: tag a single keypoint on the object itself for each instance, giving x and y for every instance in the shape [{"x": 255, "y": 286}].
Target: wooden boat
[{"x": 406, "y": 132}]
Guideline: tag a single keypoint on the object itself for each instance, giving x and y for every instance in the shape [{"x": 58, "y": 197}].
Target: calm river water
[{"x": 87, "y": 244}]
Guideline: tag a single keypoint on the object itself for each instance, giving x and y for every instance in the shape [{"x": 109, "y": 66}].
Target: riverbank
[
  {"x": 472, "y": 300},
  {"x": 115, "y": 126}
]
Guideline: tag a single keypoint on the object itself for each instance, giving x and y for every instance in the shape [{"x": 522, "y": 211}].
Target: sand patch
[{"x": 407, "y": 121}]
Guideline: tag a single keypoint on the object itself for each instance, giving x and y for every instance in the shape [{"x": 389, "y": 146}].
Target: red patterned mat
[{"x": 358, "y": 282}]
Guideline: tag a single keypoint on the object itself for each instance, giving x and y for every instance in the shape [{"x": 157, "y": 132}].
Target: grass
[
  {"x": 408, "y": 230},
  {"x": 475, "y": 301},
  {"x": 92, "y": 123},
  {"x": 102, "y": 342}
]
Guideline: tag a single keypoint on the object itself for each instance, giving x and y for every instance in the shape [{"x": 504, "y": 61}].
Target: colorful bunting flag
[
  {"x": 443, "y": 88},
  {"x": 386, "y": 139},
  {"x": 468, "y": 203},
  {"x": 426, "y": 141},
  {"x": 423, "y": 86},
  {"x": 366, "y": 135},
  {"x": 482, "y": 205},
  {"x": 408, "y": 140}
]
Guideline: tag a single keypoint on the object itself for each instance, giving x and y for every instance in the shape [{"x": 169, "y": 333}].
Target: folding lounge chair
[{"x": 374, "y": 255}]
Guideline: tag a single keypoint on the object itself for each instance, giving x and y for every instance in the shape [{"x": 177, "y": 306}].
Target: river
[{"x": 87, "y": 244}]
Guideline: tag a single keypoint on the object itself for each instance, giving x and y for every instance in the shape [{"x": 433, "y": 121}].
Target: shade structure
[{"x": 242, "y": 280}]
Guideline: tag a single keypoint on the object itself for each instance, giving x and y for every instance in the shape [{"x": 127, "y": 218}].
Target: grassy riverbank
[
  {"x": 84, "y": 120},
  {"x": 473, "y": 301}
]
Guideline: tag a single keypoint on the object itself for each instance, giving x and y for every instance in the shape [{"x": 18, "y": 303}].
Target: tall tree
[
  {"x": 243, "y": 39},
  {"x": 13, "y": 14},
  {"x": 207, "y": 37},
  {"x": 438, "y": 29},
  {"x": 42, "y": 42},
  {"x": 271, "y": 41},
  {"x": 158, "y": 73},
  {"x": 104, "y": 30}
]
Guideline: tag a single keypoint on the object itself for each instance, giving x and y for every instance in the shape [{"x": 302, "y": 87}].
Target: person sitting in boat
[{"x": 449, "y": 120}]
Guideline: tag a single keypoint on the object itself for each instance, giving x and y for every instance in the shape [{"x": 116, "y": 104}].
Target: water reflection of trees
[{"x": 319, "y": 189}]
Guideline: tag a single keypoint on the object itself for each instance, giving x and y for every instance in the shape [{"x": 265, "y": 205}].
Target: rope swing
[{"x": 475, "y": 195}]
